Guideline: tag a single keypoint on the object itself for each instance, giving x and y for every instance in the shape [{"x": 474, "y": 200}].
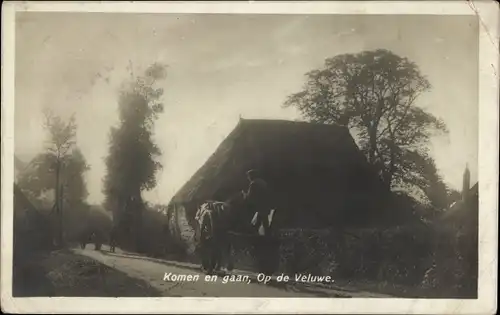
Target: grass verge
[{"x": 66, "y": 274}]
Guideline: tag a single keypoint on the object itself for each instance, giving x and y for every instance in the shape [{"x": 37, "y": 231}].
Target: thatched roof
[
  {"x": 18, "y": 164},
  {"x": 474, "y": 191},
  {"x": 31, "y": 227},
  {"x": 22, "y": 205},
  {"x": 307, "y": 165}
]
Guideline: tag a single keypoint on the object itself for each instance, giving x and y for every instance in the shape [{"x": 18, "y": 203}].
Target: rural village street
[{"x": 152, "y": 270}]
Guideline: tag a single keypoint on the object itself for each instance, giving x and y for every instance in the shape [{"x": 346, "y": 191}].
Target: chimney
[{"x": 466, "y": 183}]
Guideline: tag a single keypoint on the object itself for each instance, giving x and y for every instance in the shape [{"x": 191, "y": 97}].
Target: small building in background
[
  {"x": 463, "y": 215},
  {"x": 461, "y": 223}
]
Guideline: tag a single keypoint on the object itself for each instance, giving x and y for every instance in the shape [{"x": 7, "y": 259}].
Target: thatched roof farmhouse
[
  {"x": 316, "y": 172},
  {"x": 31, "y": 227}
]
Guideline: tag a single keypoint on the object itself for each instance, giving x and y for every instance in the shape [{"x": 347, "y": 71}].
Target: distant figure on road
[
  {"x": 113, "y": 239},
  {"x": 95, "y": 238},
  {"x": 84, "y": 239}
]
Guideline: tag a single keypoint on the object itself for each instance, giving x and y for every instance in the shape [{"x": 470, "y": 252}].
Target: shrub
[{"x": 417, "y": 256}]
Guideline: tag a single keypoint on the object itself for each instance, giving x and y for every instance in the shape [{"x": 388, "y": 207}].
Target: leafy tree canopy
[
  {"x": 374, "y": 94},
  {"x": 132, "y": 160}
]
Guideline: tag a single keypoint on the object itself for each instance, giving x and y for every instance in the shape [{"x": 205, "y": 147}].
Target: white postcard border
[{"x": 488, "y": 166}]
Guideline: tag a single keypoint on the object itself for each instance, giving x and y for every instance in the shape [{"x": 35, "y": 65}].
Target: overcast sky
[{"x": 221, "y": 67}]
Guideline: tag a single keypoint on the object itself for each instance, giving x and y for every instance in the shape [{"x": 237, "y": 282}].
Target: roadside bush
[
  {"x": 156, "y": 238},
  {"x": 425, "y": 257}
]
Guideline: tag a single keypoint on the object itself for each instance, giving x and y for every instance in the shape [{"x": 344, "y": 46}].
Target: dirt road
[{"x": 161, "y": 275}]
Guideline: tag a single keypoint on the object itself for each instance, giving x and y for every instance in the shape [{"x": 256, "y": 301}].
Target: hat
[{"x": 252, "y": 173}]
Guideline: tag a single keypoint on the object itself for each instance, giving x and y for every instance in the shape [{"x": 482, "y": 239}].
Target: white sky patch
[{"x": 221, "y": 67}]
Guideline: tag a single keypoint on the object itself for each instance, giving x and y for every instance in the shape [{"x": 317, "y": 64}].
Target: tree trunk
[
  {"x": 373, "y": 144},
  {"x": 118, "y": 220},
  {"x": 138, "y": 230},
  {"x": 57, "y": 203},
  {"x": 392, "y": 163},
  {"x": 61, "y": 224},
  {"x": 135, "y": 213}
]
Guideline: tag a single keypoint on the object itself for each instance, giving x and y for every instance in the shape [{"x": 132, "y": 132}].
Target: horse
[
  {"x": 207, "y": 243},
  {"x": 215, "y": 220},
  {"x": 214, "y": 240}
]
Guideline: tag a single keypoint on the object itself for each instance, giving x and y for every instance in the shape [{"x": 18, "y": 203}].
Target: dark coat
[{"x": 258, "y": 196}]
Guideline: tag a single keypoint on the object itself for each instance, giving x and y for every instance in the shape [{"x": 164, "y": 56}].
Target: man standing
[
  {"x": 257, "y": 198},
  {"x": 113, "y": 239}
]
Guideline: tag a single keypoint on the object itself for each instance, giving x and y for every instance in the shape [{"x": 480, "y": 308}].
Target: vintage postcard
[{"x": 250, "y": 157}]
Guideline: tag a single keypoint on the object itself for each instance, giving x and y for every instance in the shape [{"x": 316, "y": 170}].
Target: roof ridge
[{"x": 298, "y": 122}]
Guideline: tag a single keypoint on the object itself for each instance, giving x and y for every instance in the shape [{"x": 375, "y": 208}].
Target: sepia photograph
[{"x": 195, "y": 154}]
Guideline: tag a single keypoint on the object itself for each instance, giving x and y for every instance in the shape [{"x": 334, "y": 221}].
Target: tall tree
[
  {"x": 39, "y": 178},
  {"x": 47, "y": 169},
  {"x": 62, "y": 139},
  {"x": 132, "y": 159},
  {"x": 73, "y": 178},
  {"x": 374, "y": 93}
]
